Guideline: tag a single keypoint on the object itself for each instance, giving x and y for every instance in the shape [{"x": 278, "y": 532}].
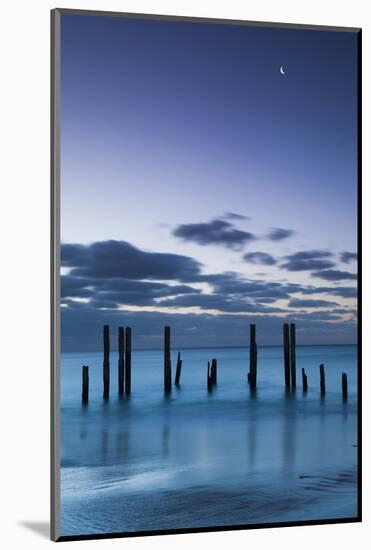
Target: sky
[{"x": 203, "y": 188}]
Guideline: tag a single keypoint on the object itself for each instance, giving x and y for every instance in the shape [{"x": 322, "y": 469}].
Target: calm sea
[{"x": 195, "y": 459}]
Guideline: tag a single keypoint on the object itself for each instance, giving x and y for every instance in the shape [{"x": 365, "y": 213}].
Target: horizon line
[{"x": 218, "y": 347}]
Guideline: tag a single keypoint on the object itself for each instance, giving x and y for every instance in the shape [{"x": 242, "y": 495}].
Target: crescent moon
[{"x": 282, "y": 71}]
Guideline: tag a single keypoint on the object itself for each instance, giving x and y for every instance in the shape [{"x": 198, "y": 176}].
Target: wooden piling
[
  {"x": 167, "y": 360},
  {"x": 253, "y": 357},
  {"x": 293, "y": 354},
  {"x": 286, "y": 350},
  {"x": 127, "y": 360},
  {"x": 305, "y": 381},
  {"x": 121, "y": 361},
  {"x": 344, "y": 383},
  {"x": 85, "y": 384},
  {"x": 213, "y": 371},
  {"x": 209, "y": 379},
  {"x": 178, "y": 369},
  {"x": 106, "y": 365},
  {"x": 322, "y": 379},
  {"x": 249, "y": 374}
]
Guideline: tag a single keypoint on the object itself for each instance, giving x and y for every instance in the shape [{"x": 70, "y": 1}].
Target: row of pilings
[{"x": 124, "y": 365}]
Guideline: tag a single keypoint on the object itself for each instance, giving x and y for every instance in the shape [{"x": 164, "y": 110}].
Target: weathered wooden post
[
  {"x": 344, "y": 383},
  {"x": 85, "y": 384},
  {"x": 106, "y": 366},
  {"x": 178, "y": 369},
  {"x": 322, "y": 379},
  {"x": 286, "y": 351},
  {"x": 293, "y": 354},
  {"x": 121, "y": 361},
  {"x": 305, "y": 381},
  {"x": 167, "y": 360},
  {"x": 209, "y": 379},
  {"x": 213, "y": 371},
  {"x": 249, "y": 374},
  {"x": 253, "y": 357},
  {"x": 127, "y": 360}
]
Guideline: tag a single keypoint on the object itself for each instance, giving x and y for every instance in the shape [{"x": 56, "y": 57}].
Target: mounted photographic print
[{"x": 205, "y": 288}]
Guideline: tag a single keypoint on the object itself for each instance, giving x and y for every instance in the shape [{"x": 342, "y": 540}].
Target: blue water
[{"x": 195, "y": 459}]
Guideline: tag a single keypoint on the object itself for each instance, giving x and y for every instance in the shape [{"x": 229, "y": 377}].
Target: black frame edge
[
  {"x": 225, "y": 528},
  {"x": 195, "y": 19},
  {"x": 54, "y": 275},
  {"x": 359, "y": 267}
]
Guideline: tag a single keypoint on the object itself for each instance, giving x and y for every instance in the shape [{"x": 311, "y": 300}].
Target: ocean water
[{"x": 195, "y": 459}]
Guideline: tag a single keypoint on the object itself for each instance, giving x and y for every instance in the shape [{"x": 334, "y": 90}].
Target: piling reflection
[
  {"x": 104, "y": 446},
  {"x": 165, "y": 439},
  {"x": 251, "y": 445},
  {"x": 289, "y": 427}
]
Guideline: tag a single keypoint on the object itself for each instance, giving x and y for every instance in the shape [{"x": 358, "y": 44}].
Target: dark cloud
[
  {"x": 217, "y": 232},
  {"x": 72, "y": 287},
  {"x": 279, "y": 234},
  {"x": 308, "y": 260},
  {"x": 343, "y": 291},
  {"x": 309, "y": 255},
  {"x": 119, "y": 291},
  {"x": 318, "y": 316},
  {"x": 155, "y": 289},
  {"x": 115, "y": 273},
  {"x": 261, "y": 258},
  {"x": 347, "y": 257},
  {"x": 307, "y": 265},
  {"x": 112, "y": 273},
  {"x": 221, "y": 302},
  {"x": 298, "y": 302},
  {"x": 230, "y": 283},
  {"x": 111, "y": 259},
  {"x": 234, "y": 216},
  {"x": 334, "y": 275},
  {"x": 230, "y": 293},
  {"x": 142, "y": 293},
  {"x": 344, "y": 310}
]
